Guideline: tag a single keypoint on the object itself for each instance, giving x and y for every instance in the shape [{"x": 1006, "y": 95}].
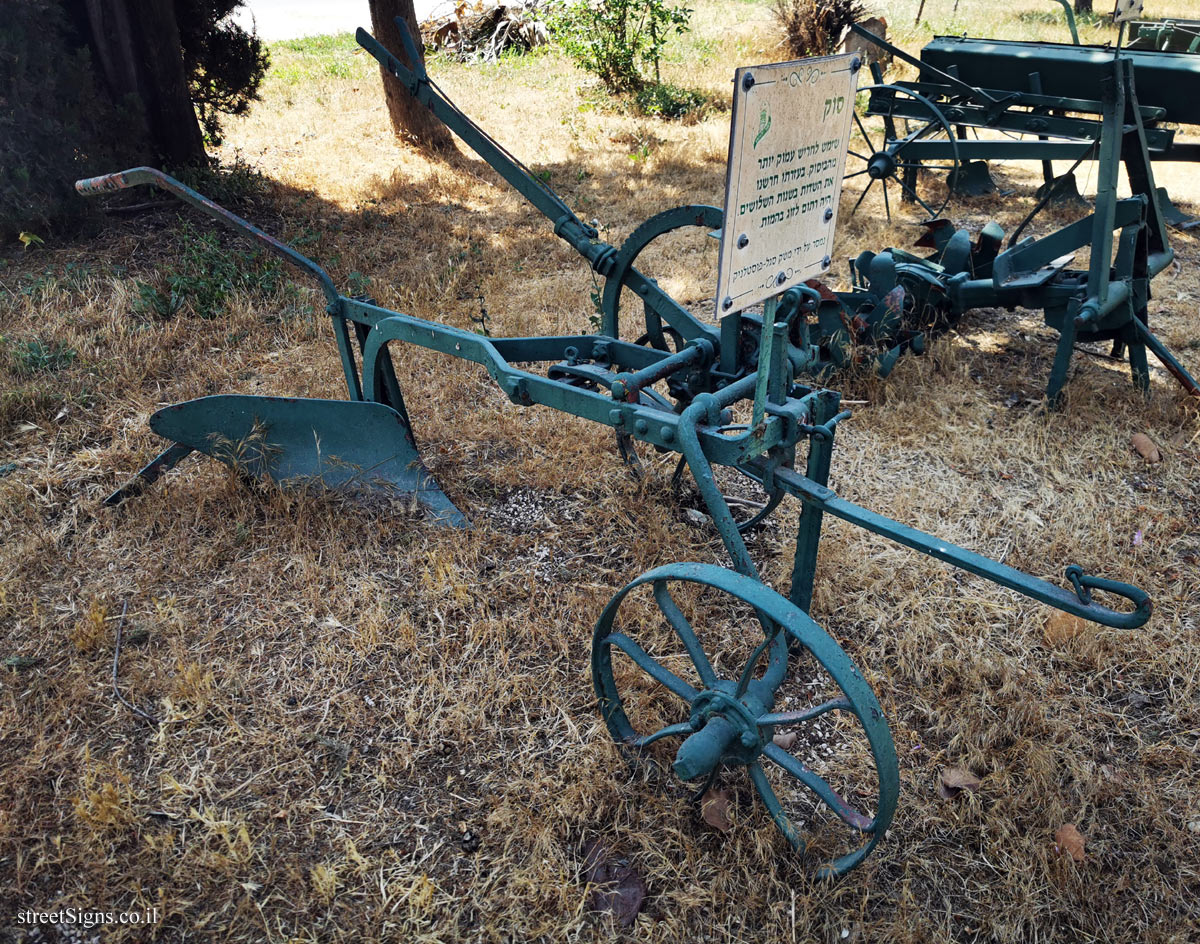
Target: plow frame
[{"x": 746, "y": 359}]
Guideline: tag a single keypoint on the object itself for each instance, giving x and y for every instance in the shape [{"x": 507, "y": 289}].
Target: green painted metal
[
  {"x": 1042, "y": 96},
  {"x": 755, "y": 362},
  {"x": 1108, "y": 301},
  {"x": 341, "y": 444},
  {"x": 1166, "y": 35},
  {"x": 728, "y": 728},
  {"x": 1070, "y": 17}
]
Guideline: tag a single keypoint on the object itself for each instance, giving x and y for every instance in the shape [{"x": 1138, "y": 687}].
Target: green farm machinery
[
  {"x": 1095, "y": 113},
  {"x": 736, "y": 391},
  {"x": 978, "y": 100}
]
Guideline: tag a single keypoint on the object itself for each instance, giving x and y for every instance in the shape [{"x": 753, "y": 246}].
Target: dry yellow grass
[{"x": 376, "y": 730}]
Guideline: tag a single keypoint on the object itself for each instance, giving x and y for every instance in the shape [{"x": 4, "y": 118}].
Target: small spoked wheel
[
  {"x": 914, "y": 136},
  {"x": 657, "y": 681}
]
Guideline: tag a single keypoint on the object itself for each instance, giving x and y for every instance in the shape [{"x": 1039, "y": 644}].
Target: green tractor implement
[{"x": 722, "y": 718}]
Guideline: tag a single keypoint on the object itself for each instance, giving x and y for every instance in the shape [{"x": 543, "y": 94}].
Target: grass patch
[
  {"x": 35, "y": 356},
  {"x": 320, "y": 59}
]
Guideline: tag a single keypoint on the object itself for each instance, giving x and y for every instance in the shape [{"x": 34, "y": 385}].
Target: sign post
[{"x": 787, "y": 155}]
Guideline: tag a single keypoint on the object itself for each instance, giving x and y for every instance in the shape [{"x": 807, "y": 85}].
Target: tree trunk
[
  {"x": 137, "y": 47},
  {"x": 410, "y": 120}
]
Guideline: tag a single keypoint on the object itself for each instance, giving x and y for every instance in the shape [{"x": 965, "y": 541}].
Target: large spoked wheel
[
  {"x": 655, "y": 682},
  {"x": 657, "y": 333},
  {"x": 891, "y": 154}
]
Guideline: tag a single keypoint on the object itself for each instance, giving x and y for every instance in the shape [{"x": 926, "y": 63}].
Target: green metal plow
[{"x": 724, "y": 717}]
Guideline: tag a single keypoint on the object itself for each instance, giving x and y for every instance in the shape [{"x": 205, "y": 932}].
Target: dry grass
[{"x": 376, "y": 730}]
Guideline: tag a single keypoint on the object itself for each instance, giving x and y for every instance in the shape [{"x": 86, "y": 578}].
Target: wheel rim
[
  {"x": 880, "y": 155},
  {"x": 668, "y": 221},
  {"x": 730, "y": 722}
]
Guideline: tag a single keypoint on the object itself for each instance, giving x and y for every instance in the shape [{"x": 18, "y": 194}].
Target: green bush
[
  {"x": 616, "y": 40},
  {"x": 225, "y": 65},
  {"x": 663, "y": 100}
]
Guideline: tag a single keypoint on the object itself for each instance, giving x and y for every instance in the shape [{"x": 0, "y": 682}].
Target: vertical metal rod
[
  {"x": 764, "y": 361},
  {"x": 808, "y": 534},
  {"x": 1062, "y": 361},
  {"x": 341, "y": 331},
  {"x": 1111, "y": 135},
  {"x": 731, "y": 326}
]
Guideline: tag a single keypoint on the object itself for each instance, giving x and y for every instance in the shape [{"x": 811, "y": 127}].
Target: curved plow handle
[{"x": 148, "y": 176}]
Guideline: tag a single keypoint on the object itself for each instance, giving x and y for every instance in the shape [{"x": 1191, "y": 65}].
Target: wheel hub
[
  {"x": 881, "y": 165},
  {"x": 725, "y": 732}
]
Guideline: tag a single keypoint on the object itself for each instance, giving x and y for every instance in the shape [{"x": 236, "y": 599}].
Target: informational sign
[
  {"x": 787, "y": 155},
  {"x": 1127, "y": 10}
]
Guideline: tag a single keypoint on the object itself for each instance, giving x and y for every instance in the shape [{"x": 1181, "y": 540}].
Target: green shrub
[
  {"x": 224, "y": 64},
  {"x": 616, "y": 40},
  {"x": 664, "y": 100}
]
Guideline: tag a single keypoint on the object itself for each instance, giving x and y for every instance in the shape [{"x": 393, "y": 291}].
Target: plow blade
[{"x": 344, "y": 444}]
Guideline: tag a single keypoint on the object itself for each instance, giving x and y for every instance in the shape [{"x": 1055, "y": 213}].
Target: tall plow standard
[{"x": 682, "y": 388}]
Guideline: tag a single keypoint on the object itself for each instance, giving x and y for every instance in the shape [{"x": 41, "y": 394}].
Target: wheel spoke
[
  {"x": 771, "y": 801},
  {"x": 928, "y": 208},
  {"x": 861, "y": 157},
  {"x": 862, "y": 196},
  {"x": 830, "y": 797},
  {"x": 886, "y": 209},
  {"x": 682, "y": 729},
  {"x": 664, "y": 676},
  {"x": 687, "y": 635},
  {"x": 863, "y": 130},
  {"x": 796, "y": 717},
  {"x": 857, "y": 173}
]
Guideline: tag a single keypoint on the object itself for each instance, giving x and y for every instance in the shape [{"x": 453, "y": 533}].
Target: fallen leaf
[
  {"x": 786, "y": 741},
  {"x": 1145, "y": 447},
  {"x": 619, "y": 889},
  {"x": 1070, "y": 840},
  {"x": 714, "y": 808},
  {"x": 954, "y": 780},
  {"x": 1061, "y": 627}
]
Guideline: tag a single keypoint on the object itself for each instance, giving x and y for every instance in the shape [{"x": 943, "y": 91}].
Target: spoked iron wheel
[
  {"x": 655, "y": 681},
  {"x": 657, "y": 334},
  {"x": 886, "y": 154}
]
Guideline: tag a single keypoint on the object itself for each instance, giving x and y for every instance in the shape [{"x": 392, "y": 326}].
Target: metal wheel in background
[{"x": 886, "y": 154}]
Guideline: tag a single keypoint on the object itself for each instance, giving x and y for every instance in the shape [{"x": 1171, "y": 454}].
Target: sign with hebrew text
[{"x": 787, "y": 154}]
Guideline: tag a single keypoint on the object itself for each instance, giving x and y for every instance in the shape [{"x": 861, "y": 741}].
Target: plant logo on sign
[{"x": 764, "y": 124}]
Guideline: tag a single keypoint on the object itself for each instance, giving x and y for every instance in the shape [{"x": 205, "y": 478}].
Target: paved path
[{"x": 290, "y": 19}]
